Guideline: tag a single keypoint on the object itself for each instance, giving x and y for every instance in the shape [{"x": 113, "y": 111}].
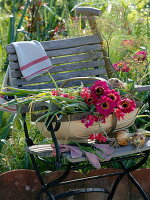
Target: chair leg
[
  {"x": 127, "y": 172},
  {"x": 137, "y": 185}
]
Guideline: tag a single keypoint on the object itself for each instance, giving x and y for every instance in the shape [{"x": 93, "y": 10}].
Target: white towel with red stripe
[
  {"x": 33, "y": 61},
  {"x": 32, "y": 58}
]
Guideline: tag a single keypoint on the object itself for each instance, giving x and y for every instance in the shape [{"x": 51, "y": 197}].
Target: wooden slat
[
  {"x": 77, "y": 58},
  {"x": 142, "y": 88},
  {"x": 65, "y": 59},
  {"x": 51, "y": 85},
  {"x": 41, "y": 150},
  {"x": 67, "y": 67},
  {"x": 13, "y": 65},
  {"x": 46, "y": 151},
  {"x": 85, "y": 73},
  {"x": 74, "y": 50},
  {"x": 62, "y": 44},
  {"x": 59, "y": 76}
]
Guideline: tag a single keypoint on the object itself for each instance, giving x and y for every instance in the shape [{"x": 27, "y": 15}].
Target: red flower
[
  {"x": 55, "y": 92},
  {"x": 105, "y": 106},
  {"x": 140, "y": 55},
  {"x": 121, "y": 66},
  {"x": 127, "y": 43},
  {"x": 98, "y": 89},
  {"x": 85, "y": 94},
  {"x": 127, "y": 105},
  {"x": 119, "y": 113},
  {"x": 98, "y": 136},
  {"x": 64, "y": 95},
  {"x": 89, "y": 120},
  {"x": 114, "y": 96}
]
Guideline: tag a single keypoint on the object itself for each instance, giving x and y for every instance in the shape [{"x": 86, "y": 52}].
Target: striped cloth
[
  {"x": 33, "y": 61},
  {"x": 32, "y": 58}
]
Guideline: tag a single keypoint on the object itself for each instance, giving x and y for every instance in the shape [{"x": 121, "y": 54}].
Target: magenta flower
[
  {"x": 64, "y": 95},
  {"x": 121, "y": 66},
  {"x": 127, "y": 43},
  {"x": 85, "y": 94},
  {"x": 98, "y": 89},
  {"x": 98, "y": 136},
  {"x": 140, "y": 55},
  {"x": 89, "y": 120},
  {"x": 127, "y": 105},
  {"x": 114, "y": 96},
  {"x": 105, "y": 106},
  {"x": 55, "y": 92},
  {"x": 125, "y": 68},
  {"x": 119, "y": 114}
]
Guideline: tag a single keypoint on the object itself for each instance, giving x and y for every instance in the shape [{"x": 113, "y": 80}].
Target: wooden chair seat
[{"x": 46, "y": 151}]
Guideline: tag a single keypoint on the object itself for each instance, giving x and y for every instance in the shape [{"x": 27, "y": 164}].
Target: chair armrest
[
  {"x": 142, "y": 88},
  {"x": 87, "y": 11}
]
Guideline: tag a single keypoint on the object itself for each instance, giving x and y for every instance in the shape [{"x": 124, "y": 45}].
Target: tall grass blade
[{"x": 22, "y": 18}]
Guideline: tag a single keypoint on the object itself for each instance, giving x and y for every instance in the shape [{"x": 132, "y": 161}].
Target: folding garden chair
[{"x": 83, "y": 57}]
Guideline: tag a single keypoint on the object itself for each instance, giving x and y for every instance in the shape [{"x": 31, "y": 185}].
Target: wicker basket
[{"x": 74, "y": 130}]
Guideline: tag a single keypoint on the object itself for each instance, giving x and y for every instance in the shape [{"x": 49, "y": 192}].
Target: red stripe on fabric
[
  {"x": 1, "y": 96},
  {"x": 34, "y": 62},
  {"x": 37, "y": 72},
  {"x": 9, "y": 109}
]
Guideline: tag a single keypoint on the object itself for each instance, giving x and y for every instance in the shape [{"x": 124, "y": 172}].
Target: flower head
[
  {"x": 127, "y": 105},
  {"x": 55, "y": 92},
  {"x": 85, "y": 93},
  {"x": 114, "y": 96},
  {"x": 98, "y": 136},
  {"x": 105, "y": 106},
  {"x": 98, "y": 89},
  {"x": 121, "y": 66},
  {"x": 119, "y": 113},
  {"x": 127, "y": 43},
  {"x": 89, "y": 120},
  {"x": 140, "y": 55}
]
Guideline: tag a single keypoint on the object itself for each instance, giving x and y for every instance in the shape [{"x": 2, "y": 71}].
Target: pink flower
[
  {"x": 140, "y": 55},
  {"x": 119, "y": 113},
  {"x": 89, "y": 120},
  {"x": 125, "y": 68},
  {"x": 86, "y": 94},
  {"x": 64, "y": 95},
  {"x": 127, "y": 105},
  {"x": 98, "y": 89},
  {"x": 127, "y": 43},
  {"x": 121, "y": 66},
  {"x": 105, "y": 106},
  {"x": 55, "y": 92},
  {"x": 101, "y": 138},
  {"x": 98, "y": 136},
  {"x": 114, "y": 96}
]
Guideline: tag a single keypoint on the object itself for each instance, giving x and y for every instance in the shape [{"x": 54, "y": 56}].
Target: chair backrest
[{"x": 74, "y": 57}]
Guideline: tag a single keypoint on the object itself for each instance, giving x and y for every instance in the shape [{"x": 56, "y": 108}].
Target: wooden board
[{"x": 46, "y": 151}]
